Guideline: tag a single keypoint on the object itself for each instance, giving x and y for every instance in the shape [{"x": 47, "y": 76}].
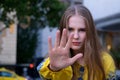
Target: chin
[{"x": 75, "y": 47}]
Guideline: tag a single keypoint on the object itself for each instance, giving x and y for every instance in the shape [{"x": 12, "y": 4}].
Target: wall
[{"x": 8, "y": 45}]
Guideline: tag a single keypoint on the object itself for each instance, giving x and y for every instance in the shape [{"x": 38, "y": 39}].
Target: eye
[
  {"x": 82, "y": 29},
  {"x": 70, "y": 29}
]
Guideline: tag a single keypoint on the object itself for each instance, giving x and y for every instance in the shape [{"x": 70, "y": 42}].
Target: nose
[{"x": 76, "y": 35}]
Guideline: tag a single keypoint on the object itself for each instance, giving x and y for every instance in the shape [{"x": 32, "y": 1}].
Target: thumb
[{"x": 73, "y": 59}]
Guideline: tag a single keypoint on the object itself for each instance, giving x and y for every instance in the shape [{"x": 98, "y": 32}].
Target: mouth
[{"x": 76, "y": 43}]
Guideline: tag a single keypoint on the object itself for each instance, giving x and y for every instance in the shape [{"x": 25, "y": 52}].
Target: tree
[
  {"x": 33, "y": 14},
  {"x": 46, "y": 12},
  {"x": 26, "y": 44}
]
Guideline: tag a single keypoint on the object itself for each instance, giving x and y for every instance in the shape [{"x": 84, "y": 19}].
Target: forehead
[{"x": 76, "y": 21}]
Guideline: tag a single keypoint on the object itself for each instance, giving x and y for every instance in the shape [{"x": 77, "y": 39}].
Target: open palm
[{"x": 60, "y": 54}]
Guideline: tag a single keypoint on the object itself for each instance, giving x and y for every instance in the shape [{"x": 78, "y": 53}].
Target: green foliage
[
  {"x": 42, "y": 12},
  {"x": 53, "y": 11},
  {"x": 46, "y": 12}
]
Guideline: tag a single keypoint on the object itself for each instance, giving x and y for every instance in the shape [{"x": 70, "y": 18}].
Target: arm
[
  {"x": 109, "y": 66},
  {"x": 57, "y": 66},
  {"x": 47, "y": 74}
]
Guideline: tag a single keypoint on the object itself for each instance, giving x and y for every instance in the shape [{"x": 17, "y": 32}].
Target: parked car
[{"x": 6, "y": 74}]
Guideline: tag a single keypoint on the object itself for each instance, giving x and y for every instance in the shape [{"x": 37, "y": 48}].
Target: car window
[
  {"x": 6, "y": 74},
  {"x": 0, "y": 73}
]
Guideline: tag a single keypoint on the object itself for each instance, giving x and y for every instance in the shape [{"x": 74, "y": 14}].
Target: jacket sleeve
[
  {"x": 46, "y": 74},
  {"x": 109, "y": 67}
]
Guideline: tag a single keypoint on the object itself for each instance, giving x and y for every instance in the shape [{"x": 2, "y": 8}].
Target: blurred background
[{"x": 26, "y": 24}]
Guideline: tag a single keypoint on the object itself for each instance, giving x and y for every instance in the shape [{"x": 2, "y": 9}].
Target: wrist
[{"x": 53, "y": 68}]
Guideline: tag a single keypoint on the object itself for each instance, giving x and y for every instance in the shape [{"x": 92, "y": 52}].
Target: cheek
[
  {"x": 69, "y": 33},
  {"x": 82, "y": 36}
]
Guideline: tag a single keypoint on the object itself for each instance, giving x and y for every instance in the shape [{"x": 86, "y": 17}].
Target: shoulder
[
  {"x": 108, "y": 64},
  {"x": 106, "y": 57}
]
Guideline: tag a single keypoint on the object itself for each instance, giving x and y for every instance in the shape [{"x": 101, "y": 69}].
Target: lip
[{"x": 76, "y": 43}]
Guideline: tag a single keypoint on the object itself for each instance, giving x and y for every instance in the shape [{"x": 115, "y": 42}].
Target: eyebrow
[{"x": 82, "y": 29}]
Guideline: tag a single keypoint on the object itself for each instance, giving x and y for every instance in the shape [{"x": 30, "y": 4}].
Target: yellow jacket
[{"x": 67, "y": 73}]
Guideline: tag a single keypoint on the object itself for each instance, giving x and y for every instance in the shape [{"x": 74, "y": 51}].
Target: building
[
  {"x": 107, "y": 19},
  {"x": 8, "y": 44}
]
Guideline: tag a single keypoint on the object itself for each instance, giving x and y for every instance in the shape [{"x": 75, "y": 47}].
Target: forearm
[{"x": 46, "y": 73}]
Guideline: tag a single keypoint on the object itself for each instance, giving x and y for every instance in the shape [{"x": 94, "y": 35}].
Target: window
[{"x": 6, "y": 74}]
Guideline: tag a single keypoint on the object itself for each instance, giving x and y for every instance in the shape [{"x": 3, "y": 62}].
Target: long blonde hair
[{"x": 92, "y": 47}]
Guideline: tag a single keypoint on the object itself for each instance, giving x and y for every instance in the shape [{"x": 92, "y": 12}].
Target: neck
[
  {"x": 74, "y": 52},
  {"x": 80, "y": 61}
]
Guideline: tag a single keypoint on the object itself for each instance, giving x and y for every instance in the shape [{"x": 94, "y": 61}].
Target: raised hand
[{"x": 60, "y": 54}]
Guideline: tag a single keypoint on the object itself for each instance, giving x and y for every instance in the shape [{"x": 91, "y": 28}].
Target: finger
[
  {"x": 73, "y": 59},
  {"x": 49, "y": 43},
  {"x": 63, "y": 38},
  {"x": 57, "y": 39},
  {"x": 69, "y": 42}
]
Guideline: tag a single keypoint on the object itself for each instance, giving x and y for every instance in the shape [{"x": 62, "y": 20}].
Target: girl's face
[{"x": 76, "y": 26}]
